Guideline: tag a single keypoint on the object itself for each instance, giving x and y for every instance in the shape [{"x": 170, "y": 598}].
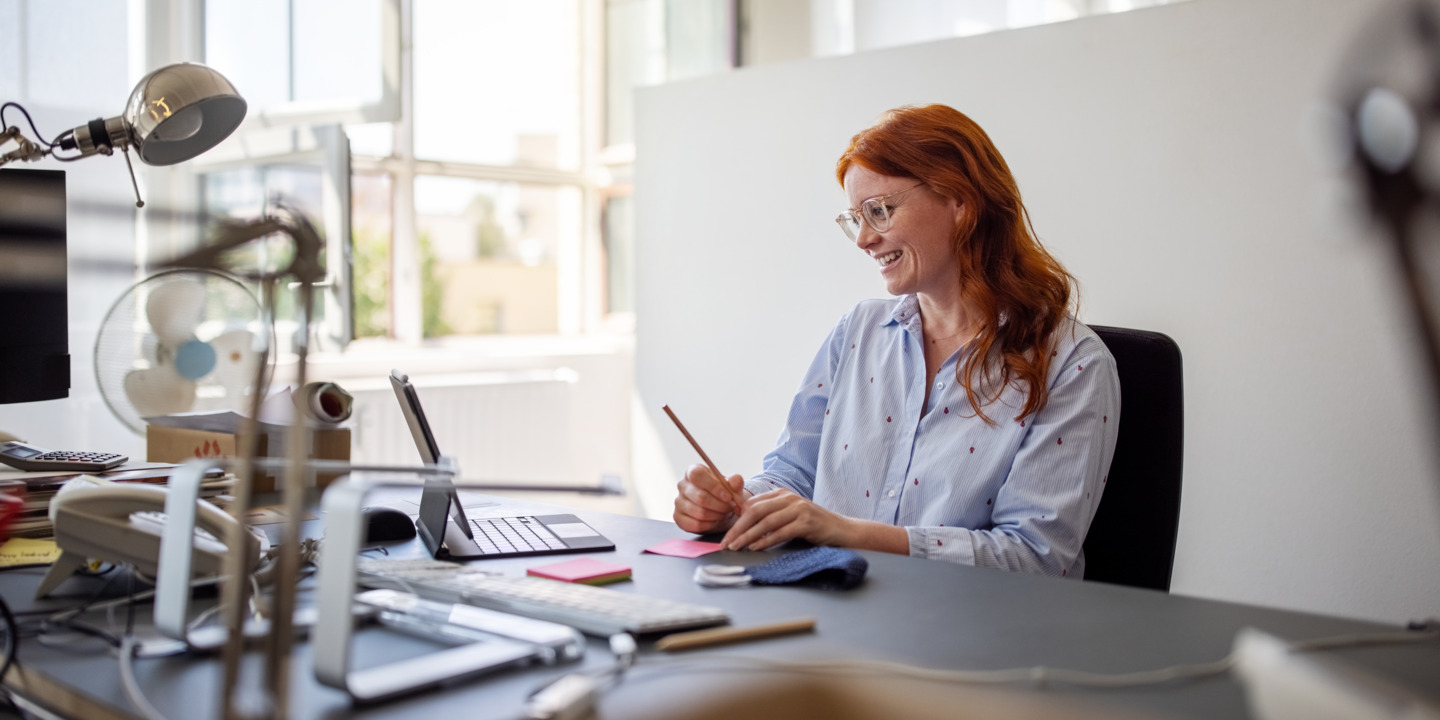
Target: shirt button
[
  {"x": 939, "y": 386},
  {"x": 892, "y": 493}
]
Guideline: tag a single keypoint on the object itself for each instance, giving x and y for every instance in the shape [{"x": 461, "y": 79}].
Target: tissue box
[{"x": 176, "y": 445}]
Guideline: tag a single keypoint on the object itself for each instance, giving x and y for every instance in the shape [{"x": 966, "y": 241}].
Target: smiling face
[{"x": 915, "y": 255}]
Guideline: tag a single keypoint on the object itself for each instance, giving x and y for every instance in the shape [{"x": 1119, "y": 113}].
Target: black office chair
[{"x": 1132, "y": 538}]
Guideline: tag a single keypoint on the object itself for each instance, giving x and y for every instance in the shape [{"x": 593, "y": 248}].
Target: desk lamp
[{"x": 173, "y": 115}]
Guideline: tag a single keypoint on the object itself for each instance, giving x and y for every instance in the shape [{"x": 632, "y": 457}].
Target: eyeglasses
[{"x": 876, "y": 211}]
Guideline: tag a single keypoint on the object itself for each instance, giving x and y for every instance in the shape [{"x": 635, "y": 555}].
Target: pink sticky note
[{"x": 684, "y": 548}]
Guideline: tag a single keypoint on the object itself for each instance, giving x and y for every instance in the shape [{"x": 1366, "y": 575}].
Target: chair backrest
[{"x": 1132, "y": 538}]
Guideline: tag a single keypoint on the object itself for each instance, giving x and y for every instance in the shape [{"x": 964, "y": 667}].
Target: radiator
[{"x": 499, "y": 426}]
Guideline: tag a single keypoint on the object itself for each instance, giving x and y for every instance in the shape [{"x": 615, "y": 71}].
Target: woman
[{"x": 968, "y": 419}]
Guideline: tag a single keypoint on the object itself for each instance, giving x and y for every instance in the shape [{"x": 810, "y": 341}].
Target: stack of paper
[{"x": 41, "y": 487}]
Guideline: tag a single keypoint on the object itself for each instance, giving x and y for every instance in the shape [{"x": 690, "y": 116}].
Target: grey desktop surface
[{"x": 915, "y": 611}]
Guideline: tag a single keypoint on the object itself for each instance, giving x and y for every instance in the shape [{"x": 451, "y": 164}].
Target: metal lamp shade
[{"x": 180, "y": 111}]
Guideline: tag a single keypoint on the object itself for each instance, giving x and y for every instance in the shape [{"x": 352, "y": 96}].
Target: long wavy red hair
[{"x": 1004, "y": 270}]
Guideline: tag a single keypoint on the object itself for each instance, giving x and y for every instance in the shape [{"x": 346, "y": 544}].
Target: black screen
[{"x": 34, "y": 349}]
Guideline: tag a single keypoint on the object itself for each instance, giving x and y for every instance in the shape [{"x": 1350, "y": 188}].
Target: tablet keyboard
[
  {"x": 592, "y": 610},
  {"x": 513, "y": 536}
]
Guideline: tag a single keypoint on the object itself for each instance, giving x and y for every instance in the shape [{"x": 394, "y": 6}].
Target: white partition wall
[{"x": 1161, "y": 155}]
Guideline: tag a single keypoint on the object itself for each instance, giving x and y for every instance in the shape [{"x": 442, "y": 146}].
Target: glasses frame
[{"x": 849, "y": 221}]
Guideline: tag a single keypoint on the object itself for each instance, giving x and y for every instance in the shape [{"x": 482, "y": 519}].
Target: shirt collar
[{"x": 905, "y": 311}]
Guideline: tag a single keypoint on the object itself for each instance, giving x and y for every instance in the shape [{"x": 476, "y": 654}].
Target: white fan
[{"x": 181, "y": 341}]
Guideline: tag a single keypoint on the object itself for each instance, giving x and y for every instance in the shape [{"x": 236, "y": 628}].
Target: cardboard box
[{"x": 175, "y": 445}]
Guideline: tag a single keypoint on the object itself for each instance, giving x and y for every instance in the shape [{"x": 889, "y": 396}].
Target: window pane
[
  {"x": 375, "y": 139},
  {"x": 497, "y": 82},
  {"x": 620, "y": 254},
  {"x": 337, "y": 50},
  {"x": 699, "y": 37},
  {"x": 76, "y": 64},
  {"x": 635, "y": 57},
  {"x": 373, "y": 223},
  {"x": 248, "y": 41},
  {"x": 487, "y": 253}
]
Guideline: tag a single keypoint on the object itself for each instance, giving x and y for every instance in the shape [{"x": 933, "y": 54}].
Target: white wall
[{"x": 1160, "y": 154}]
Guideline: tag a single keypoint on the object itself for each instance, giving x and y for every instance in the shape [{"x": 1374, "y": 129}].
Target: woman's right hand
[{"x": 704, "y": 503}]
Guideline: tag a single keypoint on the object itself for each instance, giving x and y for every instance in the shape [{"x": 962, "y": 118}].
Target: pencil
[
  {"x": 734, "y": 498},
  {"x": 720, "y": 636}
]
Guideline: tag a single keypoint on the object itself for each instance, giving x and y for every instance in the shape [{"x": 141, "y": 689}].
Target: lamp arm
[{"x": 26, "y": 150}]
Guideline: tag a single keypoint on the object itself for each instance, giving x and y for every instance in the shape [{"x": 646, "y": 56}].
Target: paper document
[{"x": 28, "y": 551}]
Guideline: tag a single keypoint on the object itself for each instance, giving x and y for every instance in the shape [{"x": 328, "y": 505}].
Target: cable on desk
[
  {"x": 12, "y": 644},
  {"x": 129, "y": 686},
  {"x": 12, "y": 637}
]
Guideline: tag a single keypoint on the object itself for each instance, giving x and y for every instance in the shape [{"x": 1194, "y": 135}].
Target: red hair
[{"x": 1004, "y": 270}]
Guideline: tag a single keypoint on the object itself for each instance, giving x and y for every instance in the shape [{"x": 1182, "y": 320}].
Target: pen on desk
[
  {"x": 720, "y": 636},
  {"x": 735, "y": 498}
]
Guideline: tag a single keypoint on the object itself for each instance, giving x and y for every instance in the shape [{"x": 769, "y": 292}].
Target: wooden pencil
[
  {"x": 720, "y": 636},
  {"x": 735, "y": 498}
]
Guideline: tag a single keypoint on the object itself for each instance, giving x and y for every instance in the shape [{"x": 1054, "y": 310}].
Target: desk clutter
[{"x": 37, "y": 490}]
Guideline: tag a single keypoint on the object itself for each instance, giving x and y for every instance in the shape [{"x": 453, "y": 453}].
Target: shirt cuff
[{"x": 941, "y": 543}]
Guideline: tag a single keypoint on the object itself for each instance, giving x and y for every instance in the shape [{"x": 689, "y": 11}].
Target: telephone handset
[{"x": 119, "y": 524}]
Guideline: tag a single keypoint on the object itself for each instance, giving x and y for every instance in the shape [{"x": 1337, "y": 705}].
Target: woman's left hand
[{"x": 779, "y": 516}]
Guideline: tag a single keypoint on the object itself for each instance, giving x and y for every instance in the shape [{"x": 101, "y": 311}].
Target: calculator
[{"x": 21, "y": 456}]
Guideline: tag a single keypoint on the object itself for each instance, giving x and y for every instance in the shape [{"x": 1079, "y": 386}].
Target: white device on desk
[
  {"x": 118, "y": 523},
  {"x": 29, "y": 458},
  {"x": 334, "y": 631}
]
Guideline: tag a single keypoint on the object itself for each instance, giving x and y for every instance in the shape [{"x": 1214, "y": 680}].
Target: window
[
  {"x": 498, "y": 82},
  {"x": 488, "y": 253}
]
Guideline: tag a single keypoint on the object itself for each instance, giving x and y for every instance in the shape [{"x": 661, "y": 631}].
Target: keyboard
[
  {"x": 513, "y": 536},
  {"x": 591, "y": 610}
]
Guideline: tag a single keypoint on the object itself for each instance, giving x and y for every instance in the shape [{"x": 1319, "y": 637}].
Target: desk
[{"x": 920, "y": 612}]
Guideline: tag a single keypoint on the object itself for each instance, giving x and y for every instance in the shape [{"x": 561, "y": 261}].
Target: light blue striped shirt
[{"x": 1018, "y": 495}]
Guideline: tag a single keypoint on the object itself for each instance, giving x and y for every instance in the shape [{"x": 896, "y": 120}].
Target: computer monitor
[{"x": 34, "y": 328}]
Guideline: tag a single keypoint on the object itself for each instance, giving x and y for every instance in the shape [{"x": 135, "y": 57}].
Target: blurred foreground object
[{"x": 1386, "y": 137}]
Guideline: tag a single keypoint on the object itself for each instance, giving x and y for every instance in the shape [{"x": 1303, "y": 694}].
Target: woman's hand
[
  {"x": 705, "y": 503},
  {"x": 779, "y": 516}
]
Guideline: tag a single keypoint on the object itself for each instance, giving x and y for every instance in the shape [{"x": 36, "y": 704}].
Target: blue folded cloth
[{"x": 826, "y": 568}]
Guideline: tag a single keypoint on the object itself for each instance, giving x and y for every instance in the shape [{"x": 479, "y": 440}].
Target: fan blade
[
  {"x": 235, "y": 360},
  {"x": 175, "y": 308},
  {"x": 159, "y": 391}
]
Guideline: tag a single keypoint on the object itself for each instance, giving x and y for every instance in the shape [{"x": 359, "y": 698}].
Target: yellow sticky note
[{"x": 28, "y": 551}]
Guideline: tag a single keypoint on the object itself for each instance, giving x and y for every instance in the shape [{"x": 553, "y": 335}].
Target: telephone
[{"x": 122, "y": 524}]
